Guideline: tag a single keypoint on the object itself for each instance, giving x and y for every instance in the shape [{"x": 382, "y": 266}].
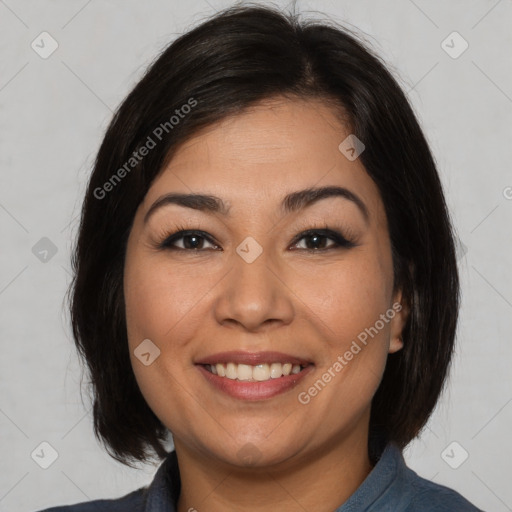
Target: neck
[{"x": 321, "y": 481}]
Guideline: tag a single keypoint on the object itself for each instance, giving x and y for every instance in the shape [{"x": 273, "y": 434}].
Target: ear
[{"x": 402, "y": 311}]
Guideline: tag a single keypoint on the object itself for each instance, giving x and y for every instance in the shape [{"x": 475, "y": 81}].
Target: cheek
[
  {"x": 348, "y": 298},
  {"x": 349, "y": 303},
  {"x": 161, "y": 305},
  {"x": 162, "y": 300}
]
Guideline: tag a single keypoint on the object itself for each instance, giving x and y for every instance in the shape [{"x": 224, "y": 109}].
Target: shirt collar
[
  {"x": 162, "y": 495},
  {"x": 389, "y": 469}
]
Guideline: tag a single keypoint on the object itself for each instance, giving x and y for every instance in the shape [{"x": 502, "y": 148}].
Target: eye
[
  {"x": 315, "y": 240},
  {"x": 189, "y": 240}
]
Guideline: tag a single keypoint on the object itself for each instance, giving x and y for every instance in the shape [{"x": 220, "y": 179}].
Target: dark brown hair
[{"x": 236, "y": 59}]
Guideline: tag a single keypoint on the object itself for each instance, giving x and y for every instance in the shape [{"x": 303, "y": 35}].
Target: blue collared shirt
[{"x": 390, "y": 487}]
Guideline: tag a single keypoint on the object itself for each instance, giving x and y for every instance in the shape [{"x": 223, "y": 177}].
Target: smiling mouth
[{"x": 254, "y": 373}]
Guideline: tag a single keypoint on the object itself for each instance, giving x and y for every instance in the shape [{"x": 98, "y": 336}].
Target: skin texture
[{"x": 195, "y": 303}]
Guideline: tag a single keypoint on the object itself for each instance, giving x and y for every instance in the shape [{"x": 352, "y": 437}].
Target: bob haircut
[{"x": 236, "y": 59}]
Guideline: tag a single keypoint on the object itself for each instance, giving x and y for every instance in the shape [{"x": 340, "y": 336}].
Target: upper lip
[{"x": 252, "y": 358}]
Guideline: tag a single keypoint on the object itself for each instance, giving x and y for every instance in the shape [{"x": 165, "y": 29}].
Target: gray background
[{"x": 53, "y": 113}]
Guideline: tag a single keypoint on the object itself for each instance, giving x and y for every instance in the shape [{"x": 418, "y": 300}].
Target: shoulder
[
  {"x": 428, "y": 496},
  {"x": 161, "y": 494},
  {"x": 132, "y": 502},
  {"x": 394, "y": 486}
]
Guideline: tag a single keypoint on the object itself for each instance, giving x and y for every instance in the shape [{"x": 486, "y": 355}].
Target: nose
[{"x": 253, "y": 296}]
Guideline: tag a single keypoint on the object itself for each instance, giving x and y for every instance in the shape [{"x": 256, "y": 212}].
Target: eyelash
[{"x": 341, "y": 241}]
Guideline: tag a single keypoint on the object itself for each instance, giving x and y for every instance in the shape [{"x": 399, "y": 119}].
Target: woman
[{"x": 266, "y": 269}]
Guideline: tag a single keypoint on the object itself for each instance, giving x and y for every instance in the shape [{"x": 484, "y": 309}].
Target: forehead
[{"x": 267, "y": 151}]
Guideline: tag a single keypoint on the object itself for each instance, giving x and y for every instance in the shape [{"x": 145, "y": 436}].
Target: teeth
[
  {"x": 221, "y": 370},
  {"x": 231, "y": 372},
  {"x": 244, "y": 372},
  {"x": 276, "y": 370},
  {"x": 260, "y": 372}
]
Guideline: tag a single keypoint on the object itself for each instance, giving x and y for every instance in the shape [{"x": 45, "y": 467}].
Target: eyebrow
[{"x": 291, "y": 203}]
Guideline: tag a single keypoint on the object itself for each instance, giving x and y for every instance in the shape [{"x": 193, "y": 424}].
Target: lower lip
[{"x": 245, "y": 390}]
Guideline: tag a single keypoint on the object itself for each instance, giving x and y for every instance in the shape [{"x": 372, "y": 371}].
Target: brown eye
[
  {"x": 189, "y": 240},
  {"x": 315, "y": 240}
]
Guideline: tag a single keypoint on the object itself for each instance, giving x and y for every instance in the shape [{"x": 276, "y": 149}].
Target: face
[{"x": 293, "y": 299}]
